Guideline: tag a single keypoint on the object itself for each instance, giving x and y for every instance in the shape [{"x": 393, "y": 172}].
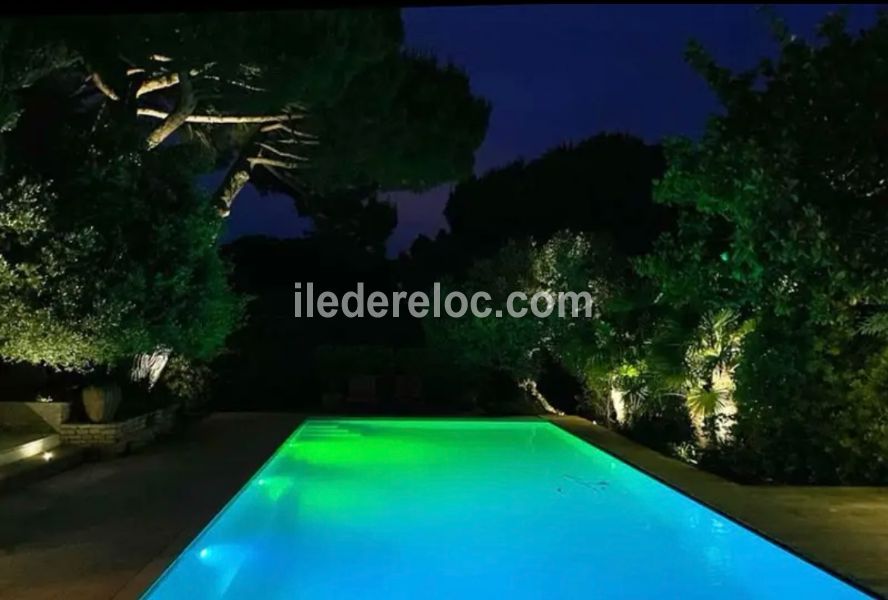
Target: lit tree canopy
[
  {"x": 783, "y": 219},
  {"x": 109, "y": 120},
  {"x": 785, "y": 195},
  {"x": 307, "y": 101},
  {"x": 116, "y": 257},
  {"x": 567, "y": 262}
]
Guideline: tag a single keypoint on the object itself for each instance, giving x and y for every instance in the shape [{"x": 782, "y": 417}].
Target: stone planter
[
  {"x": 101, "y": 402},
  {"x": 120, "y": 436}
]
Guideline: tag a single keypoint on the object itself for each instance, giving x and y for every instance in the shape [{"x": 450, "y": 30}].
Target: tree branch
[
  {"x": 235, "y": 180},
  {"x": 290, "y": 130},
  {"x": 236, "y": 83},
  {"x": 157, "y": 83},
  {"x": 298, "y": 142},
  {"x": 184, "y": 109},
  {"x": 287, "y": 180},
  {"x": 104, "y": 87},
  {"x": 219, "y": 119},
  {"x": 272, "y": 162},
  {"x": 274, "y": 150}
]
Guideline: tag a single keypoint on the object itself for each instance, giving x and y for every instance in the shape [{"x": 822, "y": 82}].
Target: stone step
[
  {"x": 16, "y": 446},
  {"x": 40, "y": 466}
]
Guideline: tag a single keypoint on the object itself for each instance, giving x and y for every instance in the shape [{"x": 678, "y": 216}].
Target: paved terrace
[{"x": 107, "y": 529}]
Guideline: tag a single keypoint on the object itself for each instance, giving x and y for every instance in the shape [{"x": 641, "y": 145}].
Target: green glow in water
[{"x": 363, "y": 508}]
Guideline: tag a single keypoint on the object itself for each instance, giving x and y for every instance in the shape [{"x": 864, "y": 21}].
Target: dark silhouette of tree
[
  {"x": 325, "y": 105},
  {"x": 602, "y": 185},
  {"x": 309, "y": 101}
]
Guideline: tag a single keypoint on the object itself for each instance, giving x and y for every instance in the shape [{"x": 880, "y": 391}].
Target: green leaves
[
  {"x": 114, "y": 255},
  {"x": 566, "y": 263},
  {"x": 404, "y": 123},
  {"x": 782, "y": 221}
]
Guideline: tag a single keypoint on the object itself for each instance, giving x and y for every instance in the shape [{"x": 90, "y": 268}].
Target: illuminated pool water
[{"x": 472, "y": 509}]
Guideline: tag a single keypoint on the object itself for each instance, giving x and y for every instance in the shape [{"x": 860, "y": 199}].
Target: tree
[
  {"x": 307, "y": 101},
  {"x": 106, "y": 253},
  {"x": 782, "y": 218},
  {"x": 574, "y": 263},
  {"x": 322, "y": 104},
  {"x": 600, "y": 185}
]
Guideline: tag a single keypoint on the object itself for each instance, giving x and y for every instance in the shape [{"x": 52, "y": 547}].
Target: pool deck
[
  {"x": 108, "y": 529},
  {"x": 844, "y": 529}
]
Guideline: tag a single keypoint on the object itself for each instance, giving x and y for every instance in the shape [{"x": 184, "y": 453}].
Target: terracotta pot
[{"x": 101, "y": 402}]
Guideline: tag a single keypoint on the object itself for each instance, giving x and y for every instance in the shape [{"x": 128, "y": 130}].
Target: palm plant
[{"x": 696, "y": 359}]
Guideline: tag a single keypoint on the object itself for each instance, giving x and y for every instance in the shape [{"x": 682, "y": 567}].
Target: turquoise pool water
[{"x": 367, "y": 508}]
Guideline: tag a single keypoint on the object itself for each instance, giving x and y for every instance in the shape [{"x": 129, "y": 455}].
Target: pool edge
[
  {"x": 850, "y": 580},
  {"x": 160, "y": 565},
  {"x": 150, "y": 576}
]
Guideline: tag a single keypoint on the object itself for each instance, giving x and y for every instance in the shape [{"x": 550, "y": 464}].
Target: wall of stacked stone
[{"x": 137, "y": 429}]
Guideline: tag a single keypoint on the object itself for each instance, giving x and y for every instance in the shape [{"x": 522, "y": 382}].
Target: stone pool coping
[{"x": 843, "y": 529}]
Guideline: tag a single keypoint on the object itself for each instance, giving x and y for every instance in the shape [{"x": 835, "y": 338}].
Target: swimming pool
[{"x": 407, "y": 508}]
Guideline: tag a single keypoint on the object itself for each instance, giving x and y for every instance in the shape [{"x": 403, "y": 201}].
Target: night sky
[{"x": 559, "y": 73}]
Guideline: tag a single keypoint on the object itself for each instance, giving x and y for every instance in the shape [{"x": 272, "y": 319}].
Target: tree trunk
[
  {"x": 530, "y": 386},
  {"x": 618, "y": 404},
  {"x": 184, "y": 108},
  {"x": 148, "y": 367},
  {"x": 235, "y": 180},
  {"x": 237, "y": 177}
]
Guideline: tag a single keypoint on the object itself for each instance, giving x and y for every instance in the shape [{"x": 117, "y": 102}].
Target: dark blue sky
[{"x": 557, "y": 73}]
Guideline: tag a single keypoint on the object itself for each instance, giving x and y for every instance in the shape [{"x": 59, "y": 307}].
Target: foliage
[
  {"x": 492, "y": 343},
  {"x": 24, "y": 58},
  {"x": 601, "y": 186},
  {"x": 187, "y": 381},
  {"x": 117, "y": 255},
  {"x": 662, "y": 423},
  {"x": 565, "y": 263},
  {"x": 350, "y": 218},
  {"x": 308, "y": 102},
  {"x": 796, "y": 153},
  {"x": 782, "y": 220},
  {"x": 812, "y": 407},
  {"x": 275, "y": 362},
  {"x": 267, "y": 61},
  {"x": 108, "y": 252},
  {"x": 407, "y": 123}
]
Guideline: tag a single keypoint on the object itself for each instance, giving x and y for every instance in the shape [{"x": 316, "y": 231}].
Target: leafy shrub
[
  {"x": 108, "y": 255},
  {"x": 188, "y": 382},
  {"x": 812, "y": 408},
  {"x": 663, "y": 424}
]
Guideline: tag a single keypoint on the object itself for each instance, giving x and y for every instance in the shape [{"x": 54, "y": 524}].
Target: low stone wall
[
  {"x": 118, "y": 435},
  {"x": 34, "y": 416}
]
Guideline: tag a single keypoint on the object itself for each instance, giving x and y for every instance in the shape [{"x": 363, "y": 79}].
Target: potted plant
[{"x": 101, "y": 401}]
